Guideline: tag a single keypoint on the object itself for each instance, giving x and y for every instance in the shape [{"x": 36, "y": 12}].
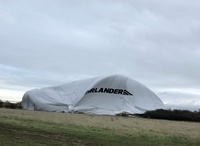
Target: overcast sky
[{"x": 52, "y": 42}]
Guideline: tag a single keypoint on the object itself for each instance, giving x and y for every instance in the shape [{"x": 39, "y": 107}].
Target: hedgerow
[{"x": 178, "y": 115}]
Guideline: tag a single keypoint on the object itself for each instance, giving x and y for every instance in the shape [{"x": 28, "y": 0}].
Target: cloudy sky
[{"x": 52, "y": 42}]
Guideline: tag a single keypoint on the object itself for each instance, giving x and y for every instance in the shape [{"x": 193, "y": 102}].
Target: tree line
[
  {"x": 8, "y": 104},
  {"x": 177, "y": 115}
]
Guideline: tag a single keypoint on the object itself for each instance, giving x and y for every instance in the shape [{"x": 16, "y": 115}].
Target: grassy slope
[{"x": 43, "y": 128}]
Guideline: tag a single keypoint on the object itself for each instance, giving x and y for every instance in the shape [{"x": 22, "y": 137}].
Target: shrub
[
  {"x": 1, "y": 103},
  {"x": 7, "y": 104},
  {"x": 18, "y": 105},
  {"x": 13, "y": 105}
]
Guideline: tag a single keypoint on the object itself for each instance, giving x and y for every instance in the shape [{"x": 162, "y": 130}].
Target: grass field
[{"x": 19, "y": 127}]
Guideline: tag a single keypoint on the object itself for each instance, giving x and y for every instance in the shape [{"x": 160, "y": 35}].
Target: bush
[
  {"x": 7, "y": 104},
  {"x": 179, "y": 115},
  {"x": 13, "y": 105},
  {"x": 18, "y": 105},
  {"x": 1, "y": 103}
]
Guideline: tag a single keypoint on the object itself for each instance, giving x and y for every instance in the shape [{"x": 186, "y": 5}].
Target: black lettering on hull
[{"x": 110, "y": 91}]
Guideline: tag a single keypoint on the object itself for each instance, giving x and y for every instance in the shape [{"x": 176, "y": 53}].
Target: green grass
[{"x": 21, "y": 131}]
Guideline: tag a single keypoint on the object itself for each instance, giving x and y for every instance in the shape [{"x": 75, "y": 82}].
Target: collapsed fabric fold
[{"x": 108, "y": 95}]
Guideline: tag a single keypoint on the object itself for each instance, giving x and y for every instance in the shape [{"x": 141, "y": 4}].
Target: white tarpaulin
[{"x": 109, "y": 95}]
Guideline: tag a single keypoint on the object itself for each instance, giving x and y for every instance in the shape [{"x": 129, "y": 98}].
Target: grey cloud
[{"x": 48, "y": 42}]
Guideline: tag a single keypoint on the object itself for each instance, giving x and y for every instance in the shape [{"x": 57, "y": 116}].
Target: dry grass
[{"x": 131, "y": 125}]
